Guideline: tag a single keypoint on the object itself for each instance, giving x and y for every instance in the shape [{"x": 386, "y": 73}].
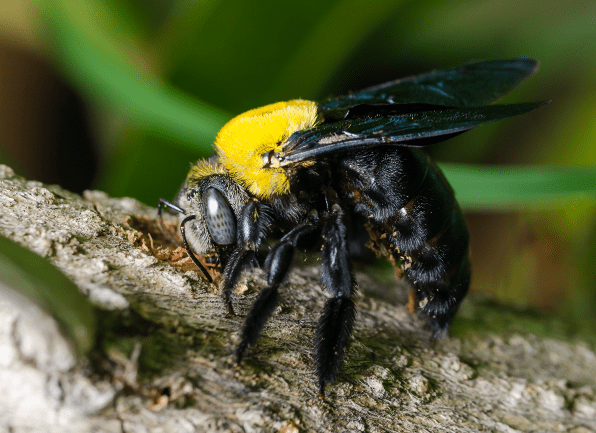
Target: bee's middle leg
[{"x": 277, "y": 265}]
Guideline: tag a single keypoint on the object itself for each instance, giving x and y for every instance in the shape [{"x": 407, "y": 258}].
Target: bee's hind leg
[
  {"x": 337, "y": 320},
  {"x": 439, "y": 300}
]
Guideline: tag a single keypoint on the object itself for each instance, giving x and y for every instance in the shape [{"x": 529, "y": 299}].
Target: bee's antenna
[
  {"x": 166, "y": 232},
  {"x": 189, "y": 250}
]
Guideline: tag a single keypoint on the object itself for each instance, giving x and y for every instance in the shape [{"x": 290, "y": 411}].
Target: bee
[{"x": 320, "y": 175}]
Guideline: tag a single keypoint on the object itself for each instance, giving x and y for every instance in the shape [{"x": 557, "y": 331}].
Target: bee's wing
[
  {"x": 476, "y": 84},
  {"x": 397, "y": 125}
]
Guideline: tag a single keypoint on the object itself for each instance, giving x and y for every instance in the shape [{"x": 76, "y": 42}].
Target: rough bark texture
[{"x": 163, "y": 362}]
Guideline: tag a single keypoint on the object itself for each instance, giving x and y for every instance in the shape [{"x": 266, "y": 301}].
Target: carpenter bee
[{"x": 317, "y": 175}]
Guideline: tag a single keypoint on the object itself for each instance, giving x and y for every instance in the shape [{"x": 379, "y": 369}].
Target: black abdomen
[{"x": 407, "y": 197}]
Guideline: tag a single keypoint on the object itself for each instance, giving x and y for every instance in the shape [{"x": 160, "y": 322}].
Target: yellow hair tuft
[
  {"x": 201, "y": 169},
  {"x": 245, "y": 141}
]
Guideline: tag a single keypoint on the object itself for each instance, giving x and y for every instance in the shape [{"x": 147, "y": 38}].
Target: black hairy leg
[
  {"x": 440, "y": 301},
  {"x": 440, "y": 272},
  {"x": 252, "y": 229},
  {"x": 277, "y": 265},
  {"x": 337, "y": 320}
]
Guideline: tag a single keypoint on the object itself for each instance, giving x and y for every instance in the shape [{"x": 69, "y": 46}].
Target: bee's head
[{"x": 216, "y": 200}]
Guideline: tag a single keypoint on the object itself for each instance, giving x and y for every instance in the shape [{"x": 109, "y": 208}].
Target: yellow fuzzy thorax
[{"x": 244, "y": 143}]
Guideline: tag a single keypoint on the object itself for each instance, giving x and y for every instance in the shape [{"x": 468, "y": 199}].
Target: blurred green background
[{"x": 122, "y": 95}]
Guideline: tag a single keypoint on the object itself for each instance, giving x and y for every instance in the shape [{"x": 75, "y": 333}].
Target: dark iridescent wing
[
  {"x": 414, "y": 111},
  {"x": 397, "y": 125},
  {"x": 476, "y": 84}
]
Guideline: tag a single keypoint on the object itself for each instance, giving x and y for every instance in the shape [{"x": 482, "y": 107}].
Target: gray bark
[{"x": 165, "y": 363}]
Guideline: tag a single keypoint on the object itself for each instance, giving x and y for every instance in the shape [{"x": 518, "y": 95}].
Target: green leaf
[
  {"x": 34, "y": 277},
  {"x": 506, "y": 187}
]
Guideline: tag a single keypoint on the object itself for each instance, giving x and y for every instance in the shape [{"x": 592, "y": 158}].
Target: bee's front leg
[{"x": 252, "y": 229}]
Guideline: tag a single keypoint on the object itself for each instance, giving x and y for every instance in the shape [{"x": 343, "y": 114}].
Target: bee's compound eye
[{"x": 219, "y": 217}]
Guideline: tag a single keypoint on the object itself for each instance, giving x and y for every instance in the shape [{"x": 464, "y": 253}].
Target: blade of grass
[
  {"x": 99, "y": 73},
  {"x": 324, "y": 50},
  {"x": 502, "y": 188},
  {"x": 183, "y": 22}
]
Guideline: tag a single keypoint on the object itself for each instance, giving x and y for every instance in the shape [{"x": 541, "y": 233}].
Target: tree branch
[{"x": 163, "y": 359}]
